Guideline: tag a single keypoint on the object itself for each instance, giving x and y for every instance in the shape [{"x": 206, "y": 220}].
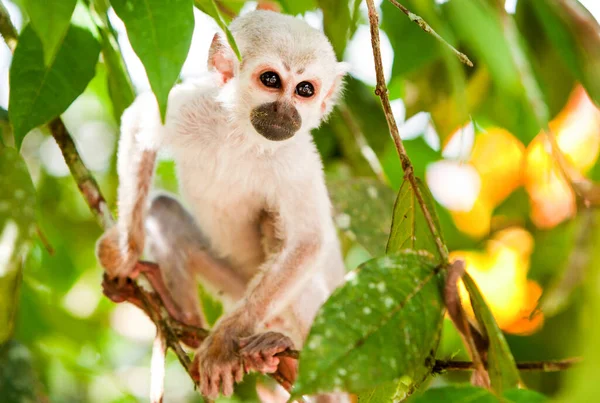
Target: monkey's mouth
[
  {"x": 276, "y": 121},
  {"x": 273, "y": 131}
]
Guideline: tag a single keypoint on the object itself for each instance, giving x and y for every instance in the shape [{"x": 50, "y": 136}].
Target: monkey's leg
[{"x": 182, "y": 253}]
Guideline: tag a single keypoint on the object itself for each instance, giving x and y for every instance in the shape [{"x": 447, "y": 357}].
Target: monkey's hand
[
  {"x": 117, "y": 261},
  {"x": 219, "y": 364},
  {"x": 258, "y": 352}
]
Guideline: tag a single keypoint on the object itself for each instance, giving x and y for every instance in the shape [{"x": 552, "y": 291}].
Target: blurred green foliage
[{"x": 70, "y": 344}]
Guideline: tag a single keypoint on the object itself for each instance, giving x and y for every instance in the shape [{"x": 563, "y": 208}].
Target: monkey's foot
[
  {"x": 258, "y": 352},
  {"x": 219, "y": 366}
]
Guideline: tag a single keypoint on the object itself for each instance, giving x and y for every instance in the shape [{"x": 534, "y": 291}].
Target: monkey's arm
[
  {"x": 304, "y": 222},
  {"x": 120, "y": 247}
]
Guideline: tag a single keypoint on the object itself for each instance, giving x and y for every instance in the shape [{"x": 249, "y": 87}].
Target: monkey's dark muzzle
[{"x": 276, "y": 121}]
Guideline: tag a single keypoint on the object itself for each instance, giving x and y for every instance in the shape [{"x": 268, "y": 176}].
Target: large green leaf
[
  {"x": 210, "y": 8},
  {"x": 576, "y": 35},
  {"x": 409, "y": 227},
  {"x": 17, "y": 225},
  {"x": 18, "y": 383},
  {"x": 464, "y": 393},
  {"x": 363, "y": 211},
  {"x": 39, "y": 93},
  {"x": 501, "y": 364},
  {"x": 160, "y": 32},
  {"x": 382, "y": 325},
  {"x": 385, "y": 393},
  {"x": 50, "y": 20}
]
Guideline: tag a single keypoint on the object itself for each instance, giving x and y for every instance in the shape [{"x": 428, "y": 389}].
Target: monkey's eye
[
  {"x": 270, "y": 79},
  {"x": 305, "y": 89}
]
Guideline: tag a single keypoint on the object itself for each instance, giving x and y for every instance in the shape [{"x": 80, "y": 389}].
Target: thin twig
[
  {"x": 7, "y": 29},
  {"x": 427, "y": 28},
  {"x": 84, "y": 178},
  {"x": 44, "y": 240},
  {"x": 382, "y": 91},
  {"x": 543, "y": 366}
]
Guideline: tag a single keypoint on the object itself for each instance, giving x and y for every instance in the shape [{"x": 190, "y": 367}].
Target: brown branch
[
  {"x": 427, "y": 28},
  {"x": 382, "y": 91},
  {"x": 441, "y": 366},
  {"x": 44, "y": 240},
  {"x": 83, "y": 177},
  {"x": 7, "y": 29}
]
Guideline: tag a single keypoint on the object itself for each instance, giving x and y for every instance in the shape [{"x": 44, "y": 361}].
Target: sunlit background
[{"x": 99, "y": 352}]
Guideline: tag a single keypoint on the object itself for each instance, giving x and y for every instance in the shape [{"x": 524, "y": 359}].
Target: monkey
[{"x": 256, "y": 227}]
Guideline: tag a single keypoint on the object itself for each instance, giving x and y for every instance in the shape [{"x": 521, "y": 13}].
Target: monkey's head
[{"x": 289, "y": 78}]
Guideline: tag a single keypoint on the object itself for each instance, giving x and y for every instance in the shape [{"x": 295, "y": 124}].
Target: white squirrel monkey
[{"x": 259, "y": 230}]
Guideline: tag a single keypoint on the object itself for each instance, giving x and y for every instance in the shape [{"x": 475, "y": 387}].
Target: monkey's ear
[
  {"x": 221, "y": 58},
  {"x": 333, "y": 95},
  {"x": 269, "y": 6}
]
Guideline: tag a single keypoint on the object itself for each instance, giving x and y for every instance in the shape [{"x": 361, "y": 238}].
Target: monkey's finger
[
  {"x": 213, "y": 385},
  {"x": 238, "y": 373},
  {"x": 250, "y": 344},
  {"x": 204, "y": 384},
  {"x": 253, "y": 361},
  {"x": 227, "y": 383},
  {"x": 269, "y": 360}
]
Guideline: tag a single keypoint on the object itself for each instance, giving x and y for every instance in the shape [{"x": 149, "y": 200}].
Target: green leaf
[
  {"x": 457, "y": 394},
  {"x": 50, "y": 20},
  {"x": 382, "y": 325},
  {"x": 388, "y": 392},
  {"x": 120, "y": 87},
  {"x": 409, "y": 227},
  {"x": 18, "y": 383},
  {"x": 17, "y": 226},
  {"x": 479, "y": 26},
  {"x": 210, "y": 8},
  {"x": 294, "y": 7},
  {"x": 160, "y": 32},
  {"x": 464, "y": 393},
  {"x": 524, "y": 396},
  {"x": 574, "y": 33},
  {"x": 39, "y": 93},
  {"x": 362, "y": 211},
  {"x": 501, "y": 364}
]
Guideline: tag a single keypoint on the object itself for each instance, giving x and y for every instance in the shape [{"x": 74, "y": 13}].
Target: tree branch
[
  {"x": 83, "y": 177},
  {"x": 7, "y": 29},
  {"x": 427, "y": 28},
  {"x": 382, "y": 91},
  {"x": 441, "y": 366}
]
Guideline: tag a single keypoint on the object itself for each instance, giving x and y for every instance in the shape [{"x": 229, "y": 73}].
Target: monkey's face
[{"x": 283, "y": 99}]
